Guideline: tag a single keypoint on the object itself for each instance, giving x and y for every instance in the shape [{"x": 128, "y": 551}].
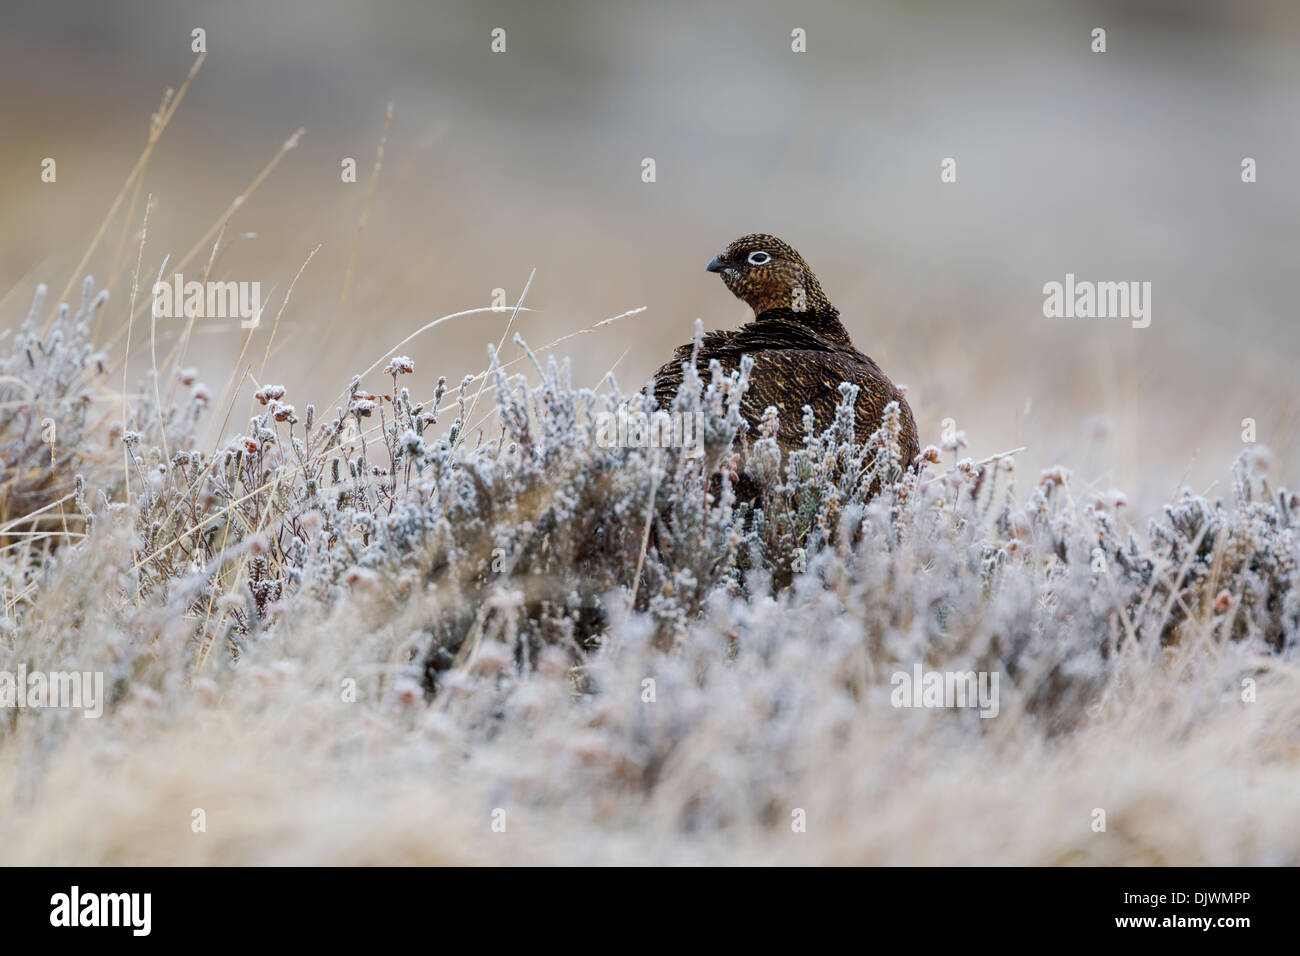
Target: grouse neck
[{"x": 825, "y": 322}]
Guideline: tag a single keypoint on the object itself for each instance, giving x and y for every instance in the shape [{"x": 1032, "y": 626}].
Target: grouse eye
[{"x": 759, "y": 258}]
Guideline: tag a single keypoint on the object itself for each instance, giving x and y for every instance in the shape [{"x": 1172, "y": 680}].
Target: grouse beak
[{"x": 715, "y": 265}]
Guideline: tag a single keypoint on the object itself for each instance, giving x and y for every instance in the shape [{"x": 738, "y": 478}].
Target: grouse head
[{"x": 769, "y": 274}]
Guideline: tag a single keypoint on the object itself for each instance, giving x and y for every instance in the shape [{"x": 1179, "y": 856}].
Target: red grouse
[{"x": 800, "y": 348}]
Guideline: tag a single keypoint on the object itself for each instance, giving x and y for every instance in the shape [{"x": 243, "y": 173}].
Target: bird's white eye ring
[{"x": 759, "y": 258}]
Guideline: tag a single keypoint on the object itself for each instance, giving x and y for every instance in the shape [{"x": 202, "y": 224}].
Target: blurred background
[{"x": 1115, "y": 167}]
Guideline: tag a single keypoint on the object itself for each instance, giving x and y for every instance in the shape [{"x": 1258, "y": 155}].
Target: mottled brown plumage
[{"x": 801, "y": 350}]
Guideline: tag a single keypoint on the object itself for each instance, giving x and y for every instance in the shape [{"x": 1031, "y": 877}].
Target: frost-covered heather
[
  {"x": 48, "y": 415},
  {"x": 364, "y": 632}
]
